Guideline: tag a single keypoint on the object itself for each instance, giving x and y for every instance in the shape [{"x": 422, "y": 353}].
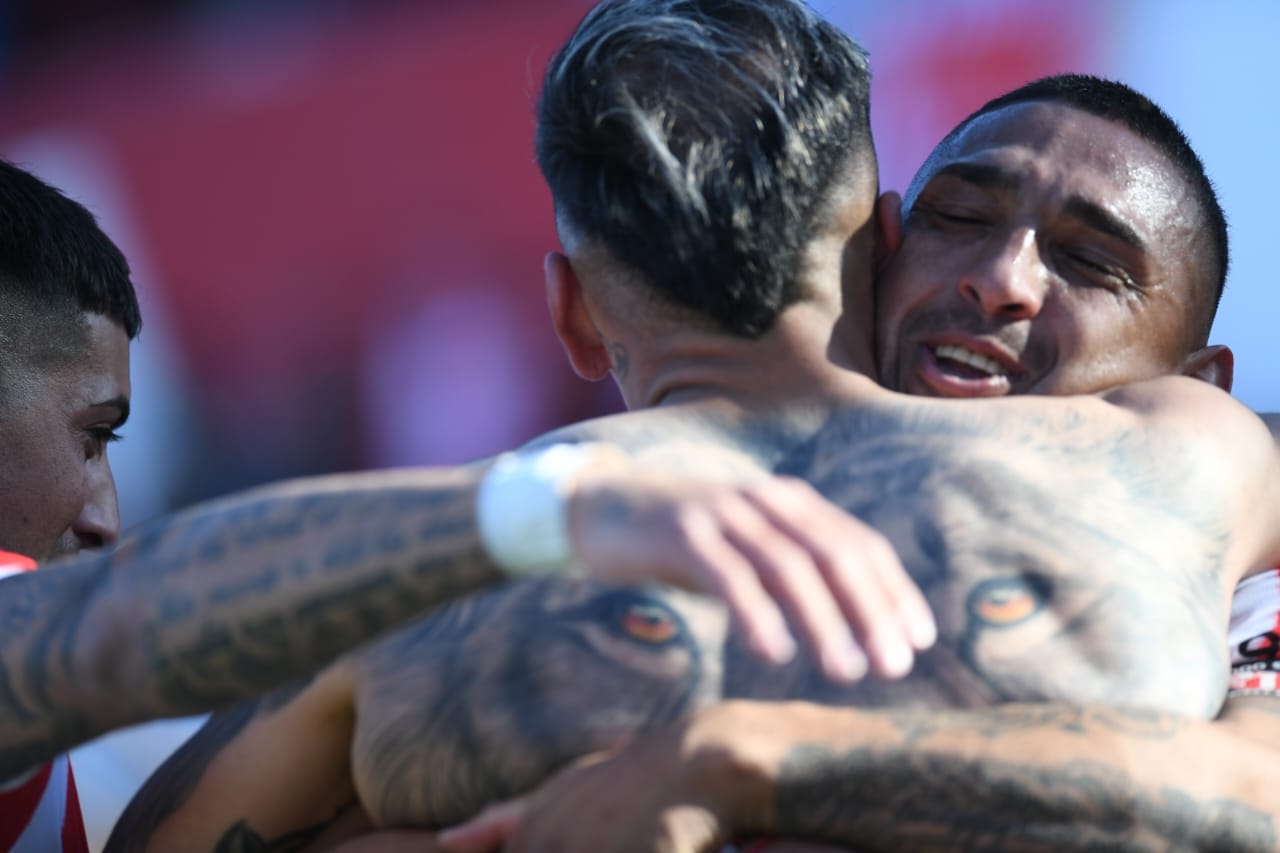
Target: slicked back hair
[
  {"x": 1116, "y": 102},
  {"x": 56, "y": 265},
  {"x": 699, "y": 140}
]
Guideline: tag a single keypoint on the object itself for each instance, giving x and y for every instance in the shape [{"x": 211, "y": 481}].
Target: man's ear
[
  {"x": 575, "y": 328},
  {"x": 888, "y": 228},
  {"x": 1214, "y": 364}
]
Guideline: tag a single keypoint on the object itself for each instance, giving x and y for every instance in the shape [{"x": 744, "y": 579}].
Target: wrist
[
  {"x": 522, "y": 505},
  {"x": 732, "y": 757}
]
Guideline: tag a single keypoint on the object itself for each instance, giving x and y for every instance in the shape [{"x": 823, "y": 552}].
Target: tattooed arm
[
  {"x": 240, "y": 595},
  {"x": 1022, "y": 777},
  {"x": 1025, "y": 776},
  {"x": 225, "y": 601},
  {"x": 460, "y": 674}
]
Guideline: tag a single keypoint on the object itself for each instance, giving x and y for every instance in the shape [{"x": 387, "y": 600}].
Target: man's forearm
[
  {"x": 1026, "y": 777},
  {"x": 225, "y": 601}
]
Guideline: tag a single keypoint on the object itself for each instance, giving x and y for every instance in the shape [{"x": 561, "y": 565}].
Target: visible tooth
[{"x": 980, "y": 362}]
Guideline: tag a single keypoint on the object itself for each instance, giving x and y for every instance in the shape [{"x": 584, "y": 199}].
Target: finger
[
  {"x": 788, "y": 573},
  {"x": 684, "y": 548},
  {"x": 908, "y": 600},
  {"x": 858, "y": 578},
  {"x": 727, "y": 573},
  {"x": 487, "y": 831},
  {"x": 869, "y": 582},
  {"x": 854, "y": 563}
]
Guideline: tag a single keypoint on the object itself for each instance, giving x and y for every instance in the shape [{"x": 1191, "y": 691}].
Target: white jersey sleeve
[{"x": 1253, "y": 636}]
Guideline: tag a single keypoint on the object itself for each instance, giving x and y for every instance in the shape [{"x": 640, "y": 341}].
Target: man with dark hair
[
  {"x": 1005, "y": 512},
  {"x": 191, "y": 613},
  {"x": 69, "y": 312},
  {"x": 698, "y": 193},
  {"x": 1063, "y": 239},
  {"x": 1054, "y": 278}
]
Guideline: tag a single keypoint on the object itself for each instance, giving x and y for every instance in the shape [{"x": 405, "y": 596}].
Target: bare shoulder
[
  {"x": 711, "y": 438},
  {"x": 1196, "y": 411},
  {"x": 1234, "y": 458},
  {"x": 1179, "y": 398}
]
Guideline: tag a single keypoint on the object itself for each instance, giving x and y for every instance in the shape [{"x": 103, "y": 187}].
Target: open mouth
[
  {"x": 951, "y": 370},
  {"x": 966, "y": 362}
]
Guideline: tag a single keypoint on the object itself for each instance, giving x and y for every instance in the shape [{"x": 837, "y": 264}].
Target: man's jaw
[{"x": 961, "y": 366}]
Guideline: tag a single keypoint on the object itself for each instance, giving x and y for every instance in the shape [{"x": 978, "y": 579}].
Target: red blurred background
[{"x": 335, "y": 216}]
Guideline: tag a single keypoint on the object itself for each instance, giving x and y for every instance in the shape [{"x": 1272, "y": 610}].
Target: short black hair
[
  {"x": 1117, "y": 102},
  {"x": 699, "y": 141},
  {"x": 56, "y": 265}
]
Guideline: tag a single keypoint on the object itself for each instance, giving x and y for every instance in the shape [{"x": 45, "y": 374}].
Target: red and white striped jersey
[{"x": 1254, "y": 634}]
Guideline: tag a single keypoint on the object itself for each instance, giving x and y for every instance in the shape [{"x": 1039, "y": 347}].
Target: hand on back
[{"x": 785, "y": 560}]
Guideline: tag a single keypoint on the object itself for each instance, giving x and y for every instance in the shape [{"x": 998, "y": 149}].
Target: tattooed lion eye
[
  {"x": 1006, "y": 601},
  {"x": 649, "y": 623}
]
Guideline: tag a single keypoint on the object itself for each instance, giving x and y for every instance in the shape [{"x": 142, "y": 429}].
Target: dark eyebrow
[
  {"x": 1101, "y": 219},
  {"x": 121, "y": 405},
  {"x": 980, "y": 174},
  {"x": 1089, "y": 212}
]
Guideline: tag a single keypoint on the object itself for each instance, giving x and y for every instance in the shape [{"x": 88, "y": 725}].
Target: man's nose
[
  {"x": 1008, "y": 281},
  {"x": 98, "y": 524}
]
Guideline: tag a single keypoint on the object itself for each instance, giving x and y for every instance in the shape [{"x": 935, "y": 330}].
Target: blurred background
[{"x": 337, "y": 228}]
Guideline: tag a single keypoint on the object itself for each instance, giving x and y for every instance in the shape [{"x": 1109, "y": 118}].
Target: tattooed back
[
  {"x": 1069, "y": 553},
  {"x": 1073, "y": 554}
]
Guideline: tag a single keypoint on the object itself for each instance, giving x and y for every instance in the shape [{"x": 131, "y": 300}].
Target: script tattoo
[
  {"x": 216, "y": 656},
  {"x": 187, "y": 599},
  {"x": 916, "y": 725},
  {"x": 925, "y": 801}
]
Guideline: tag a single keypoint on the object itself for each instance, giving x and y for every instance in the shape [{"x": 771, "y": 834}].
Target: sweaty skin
[
  {"x": 1118, "y": 597},
  {"x": 1120, "y": 542},
  {"x": 1035, "y": 245},
  {"x": 1134, "y": 621}
]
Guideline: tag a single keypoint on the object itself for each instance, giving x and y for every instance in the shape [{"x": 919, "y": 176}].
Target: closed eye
[
  {"x": 100, "y": 437},
  {"x": 1100, "y": 272},
  {"x": 962, "y": 218},
  {"x": 945, "y": 216}
]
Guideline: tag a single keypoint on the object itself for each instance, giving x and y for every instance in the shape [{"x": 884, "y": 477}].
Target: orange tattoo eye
[
  {"x": 1006, "y": 601},
  {"x": 649, "y": 624}
]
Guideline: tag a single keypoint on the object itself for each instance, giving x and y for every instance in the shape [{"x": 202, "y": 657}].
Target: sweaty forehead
[
  {"x": 100, "y": 373},
  {"x": 1052, "y": 155},
  {"x": 1060, "y": 150}
]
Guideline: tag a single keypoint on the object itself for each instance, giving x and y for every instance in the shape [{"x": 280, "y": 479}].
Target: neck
[{"x": 796, "y": 360}]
